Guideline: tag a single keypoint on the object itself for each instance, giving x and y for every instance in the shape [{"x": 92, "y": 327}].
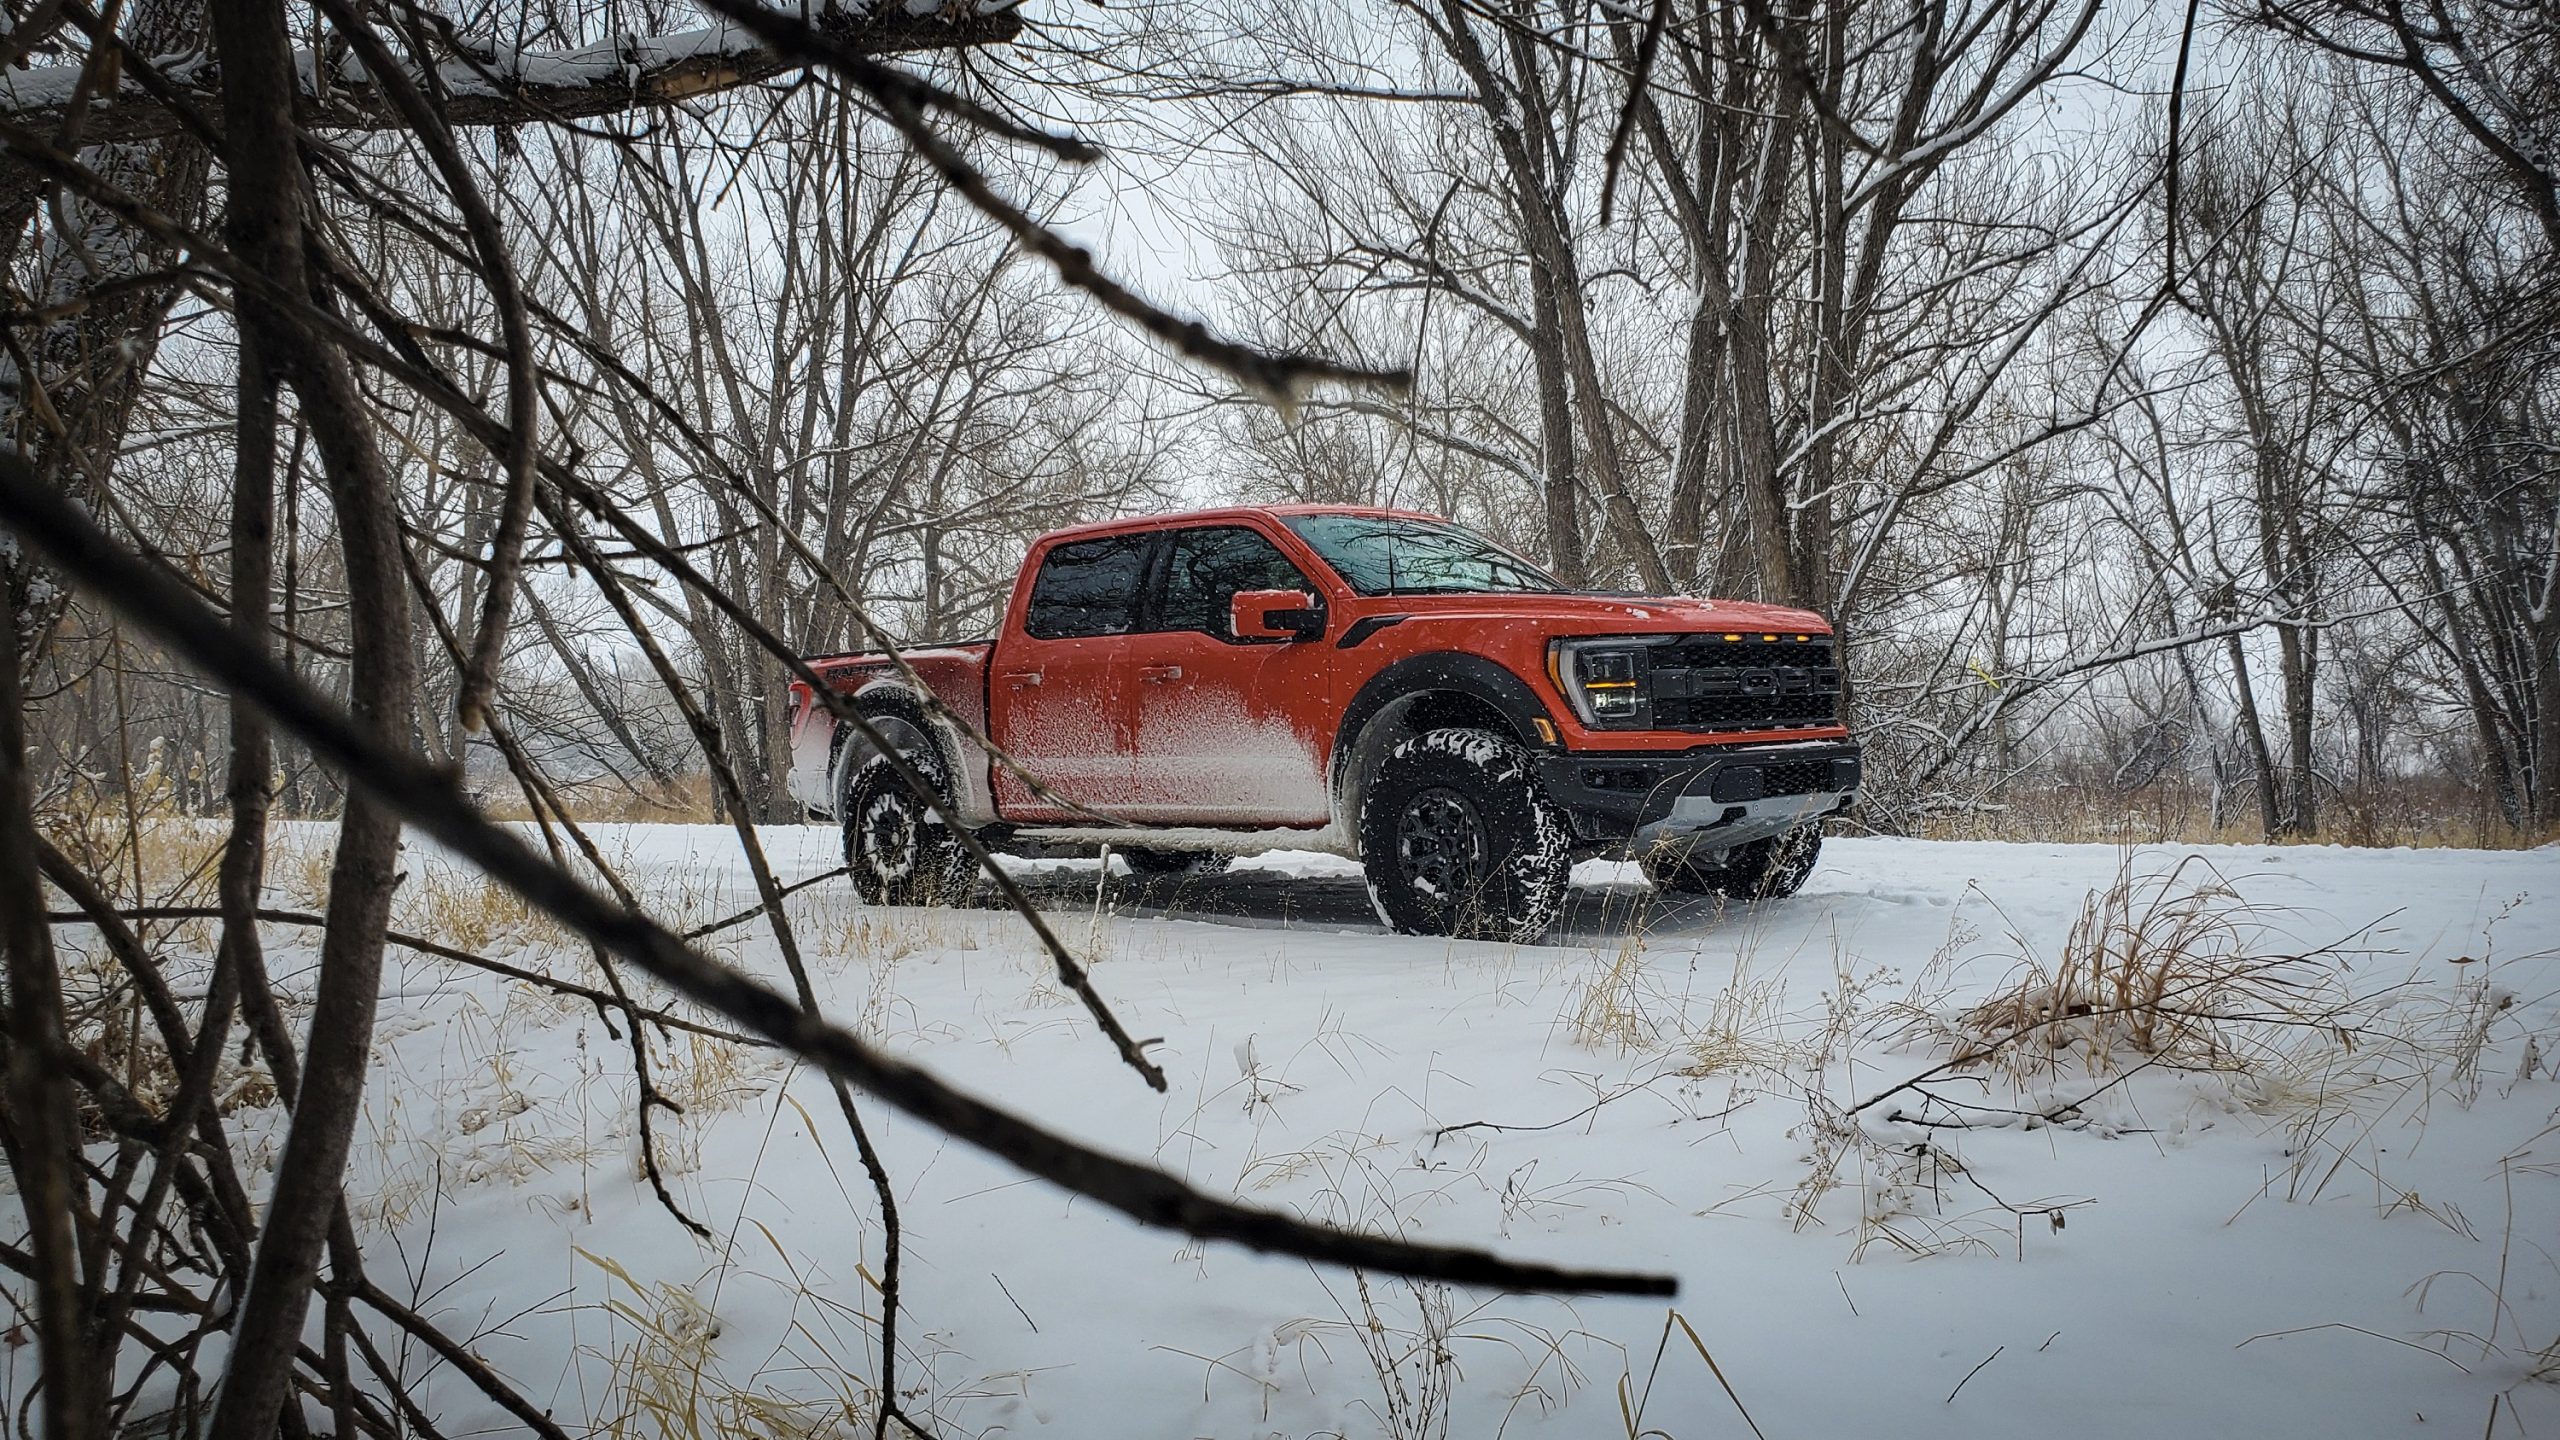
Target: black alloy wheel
[{"x": 1440, "y": 845}]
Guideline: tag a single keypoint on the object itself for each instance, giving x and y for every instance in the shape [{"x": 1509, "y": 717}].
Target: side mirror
[{"x": 1274, "y": 615}]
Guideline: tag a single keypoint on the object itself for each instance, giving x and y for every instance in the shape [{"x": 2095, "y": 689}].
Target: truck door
[
  {"x": 1058, "y": 695},
  {"x": 1229, "y": 731}
]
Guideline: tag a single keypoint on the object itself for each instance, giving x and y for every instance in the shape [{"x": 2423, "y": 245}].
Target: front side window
[
  {"x": 1087, "y": 588},
  {"x": 1398, "y": 555},
  {"x": 1210, "y": 565}
]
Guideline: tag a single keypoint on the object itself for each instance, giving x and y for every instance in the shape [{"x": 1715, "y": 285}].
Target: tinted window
[
  {"x": 1393, "y": 555},
  {"x": 1088, "y": 587},
  {"x": 1209, "y": 566}
]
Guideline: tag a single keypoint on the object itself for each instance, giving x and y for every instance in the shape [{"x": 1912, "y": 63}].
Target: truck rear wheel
[
  {"x": 1458, "y": 839},
  {"x": 1148, "y": 864},
  {"x": 899, "y": 851},
  {"x": 1770, "y": 869}
]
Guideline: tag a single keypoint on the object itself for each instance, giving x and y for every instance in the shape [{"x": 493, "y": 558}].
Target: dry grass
[
  {"x": 666, "y": 1379},
  {"x": 2167, "y": 969},
  {"x": 1415, "y": 1368},
  {"x": 140, "y": 852},
  {"x": 2417, "y": 813},
  {"x": 1616, "y": 1006},
  {"x": 136, "y": 841},
  {"x": 1635, "y": 1400},
  {"x": 2347, "y": 1108},
  {"x": 686, "y": 802},
  {"x": 1744, "y": 1029},
  {"x": 460, "y": 907}
]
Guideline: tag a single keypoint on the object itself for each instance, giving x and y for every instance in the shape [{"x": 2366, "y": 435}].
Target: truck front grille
[{"x": 1706, "y": 682}]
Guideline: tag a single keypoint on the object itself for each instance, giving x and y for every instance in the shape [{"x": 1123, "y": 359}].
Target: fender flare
[
  {"x": 1391, "y": 690},
  {"x": 890, "y": 697}
]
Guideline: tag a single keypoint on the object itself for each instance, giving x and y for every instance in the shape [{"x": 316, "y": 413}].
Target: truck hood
[{"x": 1612, "y": 614}]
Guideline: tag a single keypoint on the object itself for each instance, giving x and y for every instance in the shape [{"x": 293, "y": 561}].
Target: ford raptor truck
[{"x": 1375, "y": 683}]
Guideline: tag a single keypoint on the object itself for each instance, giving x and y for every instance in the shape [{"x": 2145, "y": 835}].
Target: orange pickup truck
[{"x": 1381, "y": 684}]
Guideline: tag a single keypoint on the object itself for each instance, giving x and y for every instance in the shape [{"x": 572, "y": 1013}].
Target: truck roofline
[{"x": 1096, "y": 528}]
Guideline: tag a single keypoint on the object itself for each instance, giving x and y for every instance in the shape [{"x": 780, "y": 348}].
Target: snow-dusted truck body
[{"x": 1381, "y": 684}]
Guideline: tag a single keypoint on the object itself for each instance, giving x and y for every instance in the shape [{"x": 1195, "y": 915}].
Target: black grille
[
  {"x": 1695, "y": 651},
  {"x": 1709, "y": 683},
  {"x": 1795, "y": 777}
]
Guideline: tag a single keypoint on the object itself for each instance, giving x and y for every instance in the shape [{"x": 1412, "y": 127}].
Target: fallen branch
[
  {"x": 1618, "y": 1094},
  {"x": 728, "y": 922}
]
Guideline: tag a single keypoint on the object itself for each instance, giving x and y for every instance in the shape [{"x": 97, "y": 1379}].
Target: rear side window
[
  {"x": 1210, "y": 565},
  {"x": 1088, "y": 587}
]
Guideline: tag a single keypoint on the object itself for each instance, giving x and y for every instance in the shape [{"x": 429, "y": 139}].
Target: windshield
[{"x": 1394, "y": 555}]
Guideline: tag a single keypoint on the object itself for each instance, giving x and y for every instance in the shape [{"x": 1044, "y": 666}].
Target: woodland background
[
  {"x": 2217, "y": 496},
  {"x": 421, "y": 413}
]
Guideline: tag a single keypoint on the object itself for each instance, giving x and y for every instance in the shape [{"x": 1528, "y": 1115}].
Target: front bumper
[{"x": 1709, "y": 799}]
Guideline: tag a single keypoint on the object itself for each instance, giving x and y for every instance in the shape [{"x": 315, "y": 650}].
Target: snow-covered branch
[{"x": 496, "y": 85}]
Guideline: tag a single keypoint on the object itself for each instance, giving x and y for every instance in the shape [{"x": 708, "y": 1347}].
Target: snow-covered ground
[{"x": 2348, "y": 1230}]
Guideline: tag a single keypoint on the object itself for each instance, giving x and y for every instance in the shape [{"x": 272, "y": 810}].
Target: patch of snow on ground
[{"x": 2352, "y": 1242}]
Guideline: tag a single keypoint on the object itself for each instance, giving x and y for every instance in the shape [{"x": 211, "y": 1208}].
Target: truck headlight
[{"x": 1606, "y": 681}]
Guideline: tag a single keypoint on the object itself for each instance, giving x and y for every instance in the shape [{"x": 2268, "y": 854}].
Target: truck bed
[{"x": 955, "y": 671}]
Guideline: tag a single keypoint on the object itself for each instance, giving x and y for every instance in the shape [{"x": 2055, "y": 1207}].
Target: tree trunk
[
  {"x": 268, "y": 189},
  {"x": 2254, "y": 733},
  {"x": 1541, "y": 224},
  {"x": 2300, "y": 648},
  {"x": 1556, "y": 459}
]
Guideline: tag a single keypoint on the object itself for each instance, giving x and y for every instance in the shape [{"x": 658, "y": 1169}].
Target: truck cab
[{"x": 1379, "y": 683}]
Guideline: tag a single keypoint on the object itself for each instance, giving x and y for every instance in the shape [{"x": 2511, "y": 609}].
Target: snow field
[{"x": 2343, "y": 1225}]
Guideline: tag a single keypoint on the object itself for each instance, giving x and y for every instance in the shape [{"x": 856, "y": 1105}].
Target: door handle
[
  {"x": 1022, "y": 679},
  {"x": 1159, "y": 674}
]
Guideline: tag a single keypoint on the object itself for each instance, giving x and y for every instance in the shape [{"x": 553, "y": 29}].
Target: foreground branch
[{"x": 498, "y": 87}]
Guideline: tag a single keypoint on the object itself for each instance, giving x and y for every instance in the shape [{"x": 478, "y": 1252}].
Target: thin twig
[{"x": 1976, "y": 1370}]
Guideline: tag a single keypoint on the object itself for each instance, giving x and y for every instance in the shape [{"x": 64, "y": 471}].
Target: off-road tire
[
  {"x": 1459, "y": 839},
  {"x": 899, "y": 851},
  {"x": 1149, "y": 864},
  {"x": 1675, "y": 870},
  {"x": 1770, "y": 869}
]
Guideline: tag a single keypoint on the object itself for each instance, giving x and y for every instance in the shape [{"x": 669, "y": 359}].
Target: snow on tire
[
  {"x": 1458, "y": 839},
  {"x": 1775, "y": 868},
  {"x": 898, "y": 850}
]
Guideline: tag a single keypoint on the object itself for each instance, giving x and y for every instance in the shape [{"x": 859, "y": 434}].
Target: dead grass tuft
[
  {"x": 686, "y": 802},
  {"x": 1614, "y": 1007},
  {"x": 666, "y": 1379},
  {"x": 2161, "y": 969},
  {"x": 459, "y": 906}
]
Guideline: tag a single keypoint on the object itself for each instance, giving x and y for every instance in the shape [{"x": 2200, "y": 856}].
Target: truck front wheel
[
  {"x": 1458, "y": 839},
  {"x": 899, "y": 851}
]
